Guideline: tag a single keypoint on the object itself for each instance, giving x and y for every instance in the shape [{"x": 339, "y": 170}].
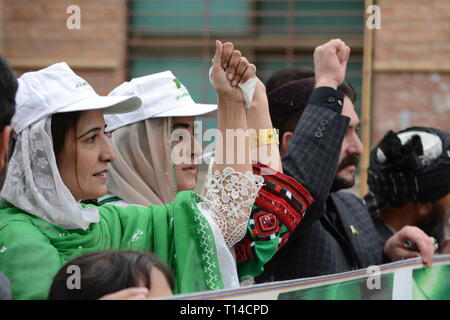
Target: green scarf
[{"x": 32, "y": 250}]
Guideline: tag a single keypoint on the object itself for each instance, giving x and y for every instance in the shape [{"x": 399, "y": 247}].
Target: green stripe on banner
[
  {"x": 401, "y": 280},
  {"x": 432, "y": 284},
  {"x": 347, "y": 290}
]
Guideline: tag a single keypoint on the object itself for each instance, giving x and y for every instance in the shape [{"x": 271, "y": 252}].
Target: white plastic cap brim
[
  {"x": 109, "y": 104},
  {"x": 190, "y": 110}
]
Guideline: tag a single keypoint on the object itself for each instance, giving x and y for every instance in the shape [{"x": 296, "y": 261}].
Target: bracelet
[{"x": 264, "y": 137}]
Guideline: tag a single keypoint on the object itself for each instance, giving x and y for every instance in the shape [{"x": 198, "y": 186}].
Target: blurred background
[{"x": 401, "y": 71}]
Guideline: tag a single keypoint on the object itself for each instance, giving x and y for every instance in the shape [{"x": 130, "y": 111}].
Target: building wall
[
  {"x": 274, "y": 34},
  {"x": 411, "y": 84},
  {"x": 34, "y": 35},
  {"x": 412, "y": 66},
  {"x": 179, "y": 35}
]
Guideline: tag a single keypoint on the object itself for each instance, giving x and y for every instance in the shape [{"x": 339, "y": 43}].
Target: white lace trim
[{"x": 230, "y": 196}]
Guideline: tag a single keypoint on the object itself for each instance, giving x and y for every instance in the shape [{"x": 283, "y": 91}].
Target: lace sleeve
[{"x": 230, "y": 196}]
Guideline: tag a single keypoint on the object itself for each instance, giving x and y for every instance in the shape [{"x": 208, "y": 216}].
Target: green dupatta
[{"x": 33, "y": 250}]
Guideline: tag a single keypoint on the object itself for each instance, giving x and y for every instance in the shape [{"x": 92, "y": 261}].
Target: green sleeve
[
  {"x": 197, "y": 264},
  {"x": 177, "y": 233},
  {"x": 28, "y": 259},
  {"x": 262, "y": 250},
  {"x": 141, "y": 228},
  {"x": 278, "y": 211}
]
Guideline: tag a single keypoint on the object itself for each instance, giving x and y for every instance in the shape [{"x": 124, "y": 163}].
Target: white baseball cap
[
  {"x": 57, "y": 89},
  {"x": 162, "y": 95}
]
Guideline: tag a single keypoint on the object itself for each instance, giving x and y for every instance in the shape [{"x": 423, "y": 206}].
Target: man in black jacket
[{"x": 338, "y": 234}]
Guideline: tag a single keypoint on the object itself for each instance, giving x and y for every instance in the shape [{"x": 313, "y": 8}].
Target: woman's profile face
[
  {"x": 83, "y": 160},
  {"x": 186, "y": 168}
]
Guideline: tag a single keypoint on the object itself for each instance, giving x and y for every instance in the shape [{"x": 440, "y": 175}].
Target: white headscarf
[
  {"x": 33, "y": 182},
  {"x": 142, "y": 172}
]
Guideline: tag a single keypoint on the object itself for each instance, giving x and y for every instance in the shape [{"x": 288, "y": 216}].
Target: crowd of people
[{"x": 98, "y": 197}]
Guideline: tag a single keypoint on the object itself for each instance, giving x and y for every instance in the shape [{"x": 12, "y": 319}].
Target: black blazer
[
  {"x": 316, "y": 248},
  {"x": 320, "y": 249}
]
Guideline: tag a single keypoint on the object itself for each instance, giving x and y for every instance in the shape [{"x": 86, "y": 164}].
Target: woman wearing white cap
[
  {"x": 143, "y": 172},
  {"x": 42, "y": 223},
  {"x": 145, "y": 141}
]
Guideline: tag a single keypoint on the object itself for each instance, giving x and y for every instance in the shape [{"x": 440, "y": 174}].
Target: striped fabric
[{"x": 278, "y": 209}]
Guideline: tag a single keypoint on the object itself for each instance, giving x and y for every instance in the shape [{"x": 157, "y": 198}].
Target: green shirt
[{"x": 32, "y": 250}]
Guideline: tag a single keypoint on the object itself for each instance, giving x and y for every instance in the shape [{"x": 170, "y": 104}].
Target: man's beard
[
  {"x": 342, "y": 183},
  {"x": 434, "y": 225}
]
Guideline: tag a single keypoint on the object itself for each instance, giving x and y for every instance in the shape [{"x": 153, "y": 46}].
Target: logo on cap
[
  {"x": 81, "y": 84},
  {"x": 177, "y": 83}
]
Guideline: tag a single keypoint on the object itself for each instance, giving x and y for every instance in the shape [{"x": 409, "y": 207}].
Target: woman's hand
[
  {"x": 232, "y": 187},
  {"x": 230, "y": 68}
]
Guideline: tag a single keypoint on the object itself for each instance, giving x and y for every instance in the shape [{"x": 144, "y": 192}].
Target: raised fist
[
  {"x": 230, "y": 68},
  {"x": 330, "y": 63}
]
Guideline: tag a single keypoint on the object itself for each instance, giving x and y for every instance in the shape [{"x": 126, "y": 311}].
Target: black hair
[
  {"x": 283, "y": 76},
  {"x": 8, "y": 89},
  {"x": 289, "y": 124},
  {"x": 107, "y": 271},
  {"x": 348, "y": 90},
  {"x": 62, "y": 123}
]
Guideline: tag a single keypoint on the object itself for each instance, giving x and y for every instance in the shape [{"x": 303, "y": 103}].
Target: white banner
[{"x": 401, "y": 280}]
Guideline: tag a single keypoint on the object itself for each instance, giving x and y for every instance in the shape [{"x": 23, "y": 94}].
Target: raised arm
[
  {"x": 311, "y": 158},
  {"x": 265, "y": 140},
  {"x": 232, "y": 187},
  {"x": 262, "y": 135}
]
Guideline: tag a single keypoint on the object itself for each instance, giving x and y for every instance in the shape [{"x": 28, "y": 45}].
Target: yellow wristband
[{"x": 265, "y": 136}]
